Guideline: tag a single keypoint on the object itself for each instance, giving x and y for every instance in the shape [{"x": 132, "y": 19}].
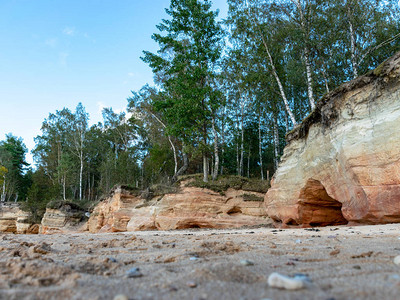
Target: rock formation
[
  {"x": 342, "y": 164},
  {"x": 13, "y": 219},
  {"x": 191, "y": 207},
  {"x": 62, "y": 219}
]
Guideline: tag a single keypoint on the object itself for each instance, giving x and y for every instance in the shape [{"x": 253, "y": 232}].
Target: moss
[{"x": 252, "y": 197}]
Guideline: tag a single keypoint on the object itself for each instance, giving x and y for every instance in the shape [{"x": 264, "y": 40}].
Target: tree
[
  {"x": 188, "y": 53},
  {"x": 12, "y": 161}
]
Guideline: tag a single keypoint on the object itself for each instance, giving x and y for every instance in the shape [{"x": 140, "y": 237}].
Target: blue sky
[{"x": 57, "y": 53}]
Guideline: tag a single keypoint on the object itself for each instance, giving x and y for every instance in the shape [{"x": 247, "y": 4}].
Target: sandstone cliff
[
  {"x": 66, "y": 218},
  {"x": 15, "y": 220},
  {"x": 191, "y": 207},
  {"x": 342, "y": 164}
]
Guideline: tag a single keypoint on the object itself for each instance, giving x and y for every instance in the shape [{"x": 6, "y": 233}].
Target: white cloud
[
  {"x": 63, "y": 58},
  {"x": 51, "y": 42},
  {"x": 69, "y": 31}
]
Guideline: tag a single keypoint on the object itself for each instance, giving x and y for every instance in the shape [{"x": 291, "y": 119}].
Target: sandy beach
[{"x": 337, "y": 262}]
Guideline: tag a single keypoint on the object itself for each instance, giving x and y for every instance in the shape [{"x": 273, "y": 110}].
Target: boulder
[{"x": 342, "y": 163}]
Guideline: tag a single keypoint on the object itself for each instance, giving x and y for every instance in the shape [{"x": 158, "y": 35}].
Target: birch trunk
[
  {"x": 80, "y": 176},
  {"x": 63, "y": 180},
  {"x": 352, "y": 44},
  {"x": 205, "y": 168},
  {"x": 216, "y": 155},
  {"x": 171, "y": 143},
  {"x": 3, "y": 193},
  {"x": 306, "y": 54},
  {"x": 274, "y": 72},
  {"x": 309, "y": 79},
  {"x": 260, "y": 145},
  {"x": 181, "y": 171},
  {"x": 242, "y": 138},
  {"x": 248, "y": 162},
  {"x": 276, "y": 143},
  {"x": 223, "y": 142}
]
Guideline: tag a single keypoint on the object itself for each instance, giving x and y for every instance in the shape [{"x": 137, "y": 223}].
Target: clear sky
[{"x": 57, "y": 53}]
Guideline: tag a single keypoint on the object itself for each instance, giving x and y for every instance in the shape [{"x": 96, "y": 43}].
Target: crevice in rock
[
  {"x": 234, "y": 211},
  {"x": 317, "y": 208}
]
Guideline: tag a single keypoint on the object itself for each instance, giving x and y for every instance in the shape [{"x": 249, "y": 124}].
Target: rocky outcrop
[
  {"x": 63, "y": 219},
  {"x": 114, "y": 213},
  {"x": 342, "y": 164},
  {"x": 13, "y": 219},
  {"x": 191, "y": 207}
]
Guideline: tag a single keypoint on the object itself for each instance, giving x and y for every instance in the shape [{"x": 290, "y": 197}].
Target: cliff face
[
  {"x": 342, "y": 164},
  {"x": 63, "y": 219},
  {"x": 14, "y": 220},
  {"x": 191, "y": 207}
]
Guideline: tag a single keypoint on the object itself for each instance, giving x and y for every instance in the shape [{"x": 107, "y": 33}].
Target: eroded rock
[{"x": 342, "y": 163}]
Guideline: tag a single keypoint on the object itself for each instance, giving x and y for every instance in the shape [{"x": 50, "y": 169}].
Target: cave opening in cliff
[
  {"x": 234, "y": 211},
  {"x": 317, "y": 208}
]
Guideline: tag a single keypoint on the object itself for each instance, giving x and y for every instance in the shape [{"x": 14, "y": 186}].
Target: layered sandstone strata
[
  {"x": 191, "y": 207},
  {"x": 342, "y": 164},
  {"x": 63, "y": 219},
  {"x": 13, "y": 219}
]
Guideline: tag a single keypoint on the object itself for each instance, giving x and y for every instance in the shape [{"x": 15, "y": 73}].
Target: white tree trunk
[
  {"x": 3, "y": 192},
  {"x": 216, "y": 155},
  {"x": 205, "y": 168},
  {"x": 63, "y": 180},
  {"x": 274, "y": 72},
  {"x": 309, "y": 79},
  {"x": 248, "y": 162},
  {"x": 171, "y": 143},
  {"x": 260, "y": 145},
  {"x": 242, "y": 138},
  {"x": 352, "y": 44},
  {"x": 306, "y": 54},
  {"x": 276, "y": 143},
  {"x": 80, "y": 176}
]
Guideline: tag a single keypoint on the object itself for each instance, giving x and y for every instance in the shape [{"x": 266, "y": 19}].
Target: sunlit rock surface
[
  {"x": 342, "y": 164},
  {"x": 13, "y": 219},
  {"x": 190, "y": 207}
]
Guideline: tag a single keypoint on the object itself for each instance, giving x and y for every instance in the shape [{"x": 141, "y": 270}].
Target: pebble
[
  {"x": 191, "y": 284},
  {"x": 193, "y": 258},
  {"x": 121, "y": 297},
  {"x": 134, "y": 273},
  {"x": 397, "y": 260},
  {"x": 246, "y": 262},
  {"x": 277, "y": 280}
]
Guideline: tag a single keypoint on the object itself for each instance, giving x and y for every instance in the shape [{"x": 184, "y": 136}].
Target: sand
[{"x": 340, "y": 263}]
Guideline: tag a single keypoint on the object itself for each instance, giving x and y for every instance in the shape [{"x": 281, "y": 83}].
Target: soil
[{"x": 340, "y": 262}]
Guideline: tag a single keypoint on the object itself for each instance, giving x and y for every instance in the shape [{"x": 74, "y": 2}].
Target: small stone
[
  {"x": 357, "y": 267},
  {"x": 397, "y": 260},
  {"x": 193, "y": 258},
  {"x": 246, "y": 262},
  {"x": 121, "y": 297},
  {"x": 298, "y": 241},
  {"x": 112, "y": 259},
  {"x": 334, "y": 252},
  {"x": 191, "y": 284},
  {"x": 279, "y": 281},
  {"x": 134, "y": 273}
]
